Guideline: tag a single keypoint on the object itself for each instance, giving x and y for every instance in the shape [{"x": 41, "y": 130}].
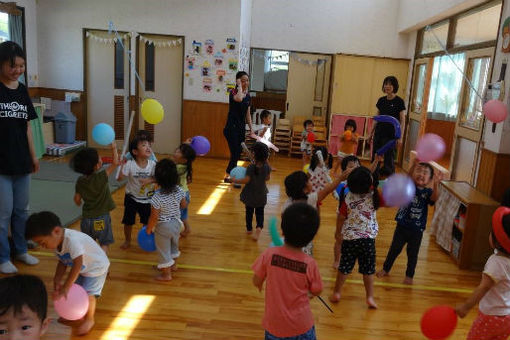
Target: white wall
[
  {"x": 415, "y": 14},
  {"x": 60, "y": 29},
  {"x": 31, "y": 40},
  {"x": 367, "y": 27},
  {"x": 245, "y": 43}
]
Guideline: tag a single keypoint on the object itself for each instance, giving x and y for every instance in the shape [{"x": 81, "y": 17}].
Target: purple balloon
[
  {"x": 398, "y": 190},
  {"x": 201, "y": 145},
  {"x": 430, "y": 147}
]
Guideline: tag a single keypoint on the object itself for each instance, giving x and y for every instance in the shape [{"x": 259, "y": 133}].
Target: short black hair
[
  {"x": 240, "y": 74},
  {"x": 166, "y": 175},
  {"x": 133, "y": 145},
  {"x": 351, "y": 123},
  {"x": 264, "y": 114},
  {"x": 506, "y": 228},
  {"x": 427, "y": 165},
  {"x": 23, "y": 290},
  {"x": 84, "y": 161},
  {"x": 361, "y": 181},
  {"x": 314, "y": 161},
  {"x": 145, "y": 135},
  {"x": 307, "y": 122},
  {"x": 295, "y": 184},
  {"x": 9, "y": 50},
  {"x": 260, "y": 152},
  {"x": 41, "y": 224},
  {"x": 391, "y": 80},
  {"x": 347, "y": 159},
  {"x": 300, "y": 222}
]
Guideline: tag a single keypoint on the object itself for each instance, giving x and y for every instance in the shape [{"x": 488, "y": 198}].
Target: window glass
[
  {"x": 430, "y": 43},
  {"x": 150, "y": 52},
  {"x": 478, "y": 26},
  {"x": 269, "y": 70}
]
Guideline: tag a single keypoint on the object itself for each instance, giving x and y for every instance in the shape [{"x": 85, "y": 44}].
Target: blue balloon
[
  {"x": 339, "y": 189},
  {"x": 390, "y": 145},
  {"x": 238, "y": 172},
  {"x": 103, "y": 134},
  {"x": 392, "y": 120},
  {"x": 146, "y": 242},
  {"x": 201, "y": 145}
]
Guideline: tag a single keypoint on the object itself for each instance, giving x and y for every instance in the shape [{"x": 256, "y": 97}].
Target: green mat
[{"x": 52, "y": 189}]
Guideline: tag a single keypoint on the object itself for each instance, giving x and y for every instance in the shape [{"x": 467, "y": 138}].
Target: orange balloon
[{"x": 347, "y": 135}]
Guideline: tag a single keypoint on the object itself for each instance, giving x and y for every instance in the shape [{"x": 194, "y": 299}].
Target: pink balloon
[
  {"x": 75, "y": 306},
  {"x": 430, "y": 147},
  {"x": 495, "y": 111}
]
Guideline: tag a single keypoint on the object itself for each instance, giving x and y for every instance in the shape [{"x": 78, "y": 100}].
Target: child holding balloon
[
  {"x": 89, "y": 263},
  {"x": 164, "y": 220},
  {"x": 290, "y": 276},
  {"x": 359, "y": 232},
  {"x": 93, "y": 189},
  {"x": 493, "y": 292},
  {"x": 254, "y": 193},
  {"x": 412, "y": 220},
  {"x": 307, "y": 139},
  {"x": 348, "y": 140},
  {"x": 184, "y": 156},
  {"x": 23, "y": 307},
  {"x": 139, "y": 188}
]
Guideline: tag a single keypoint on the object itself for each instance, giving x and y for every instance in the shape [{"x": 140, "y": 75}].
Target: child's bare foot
[
  {"x": 382, "y": 273},
  {"x": 85, "y": 327},
  {"x": 335, "y": 297},
  {"x": 408, "y": 280},
  {"x": 173, "y": 268},
  {"x": 125, "y": 245},
  {"x": 371, "y": 302},
  {"x": 249, "y": 232},
  {"x": 257, "y": 234},
  {"x": 335, "y": 264},
  {"x": 164, "y": 277}
]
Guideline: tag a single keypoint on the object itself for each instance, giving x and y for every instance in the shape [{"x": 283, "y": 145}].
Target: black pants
[
  {"x": 403, "y": 235},
  {"x": 259, "y": 216},
  {"x": 388, "y": 167},
  {"x": 234, "y": 139}
]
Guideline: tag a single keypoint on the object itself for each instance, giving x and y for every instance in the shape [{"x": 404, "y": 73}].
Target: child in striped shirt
[{"x": 164, "y": 220}]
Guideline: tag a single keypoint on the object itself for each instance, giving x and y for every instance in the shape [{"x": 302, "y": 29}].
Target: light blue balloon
[
  {"x": 238, "y": 172},
  {"x": 103, "y": 134}
]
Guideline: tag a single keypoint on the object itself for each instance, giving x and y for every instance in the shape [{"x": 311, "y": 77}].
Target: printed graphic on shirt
[
  {"x": 67, "y": 260},
  {"x": 13, "y": 110},
  {"x": 285, "y": 263}
]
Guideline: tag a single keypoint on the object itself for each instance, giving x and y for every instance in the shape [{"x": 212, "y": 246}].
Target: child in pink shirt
[{"x": 290, "y": 275}]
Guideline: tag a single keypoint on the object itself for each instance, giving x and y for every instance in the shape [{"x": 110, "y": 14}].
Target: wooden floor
[{"x": 211, "y": 296}]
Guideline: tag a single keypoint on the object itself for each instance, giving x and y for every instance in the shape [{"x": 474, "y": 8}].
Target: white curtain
[
  {"x": 444, "y": 97},
  {"x": 16, "y": 34}
]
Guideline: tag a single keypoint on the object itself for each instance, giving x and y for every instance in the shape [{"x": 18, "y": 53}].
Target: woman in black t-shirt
[
  {"x": 382, "y": 133},
  {"x": 17, "y": 155},
  {"x": 238, "y": 115}
]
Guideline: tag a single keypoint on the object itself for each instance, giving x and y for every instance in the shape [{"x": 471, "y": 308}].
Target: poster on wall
[
  {"x": 197, "y": 47},
  {"x": 218, "y": 59},
  {"x": 231, "y": 44},
  {"x": 230, "y": 87},
  {"x": 209, "y": 46},
  {"x": 207, "y": 84},
  {"x": 190, "y": 62},
  {"x": 206, "y": 68},
  {"x": 232, "y": 64},
  {"x": 505, "y": 34},
  {"x": 220, "y": 75}
]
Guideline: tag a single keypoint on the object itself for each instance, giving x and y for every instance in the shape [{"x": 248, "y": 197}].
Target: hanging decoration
[
  {"x": 106, "y": 38},
  {"x": 160, "y": 42},
  {"x": 295, "y": 56}
]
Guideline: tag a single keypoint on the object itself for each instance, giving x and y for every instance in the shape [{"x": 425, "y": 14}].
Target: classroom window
[
  {"x": 150, "y": 54},
  {"x": 119, "y": 66},
  {"x": 4, "y": 27},
  {"x": 435, "y": 38},
  {"x": 477, "y": 26},
  {"x": 269, "y": 70}
]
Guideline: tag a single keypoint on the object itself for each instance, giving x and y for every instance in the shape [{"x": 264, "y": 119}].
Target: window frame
[{"x": 153, "y": 88}]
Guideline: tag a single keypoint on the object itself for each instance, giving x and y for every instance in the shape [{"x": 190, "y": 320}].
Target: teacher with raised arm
[
  {"x": 382, "y": 132},
  {"x": 238, "y": 115}
]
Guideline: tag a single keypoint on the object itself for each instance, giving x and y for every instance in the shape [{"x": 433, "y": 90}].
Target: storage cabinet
[{"x": 471, "y": 225}]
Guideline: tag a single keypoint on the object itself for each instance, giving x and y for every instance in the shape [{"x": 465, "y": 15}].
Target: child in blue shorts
[{"x": 89, "y": 263}]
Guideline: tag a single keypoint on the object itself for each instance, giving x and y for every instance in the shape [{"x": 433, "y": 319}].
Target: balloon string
[
  {"x": 428, "y": 28},
  {"x": 111, "y": 27}
]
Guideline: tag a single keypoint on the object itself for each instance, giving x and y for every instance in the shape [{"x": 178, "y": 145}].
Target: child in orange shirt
[
  {"x": 348, "y": 141},
  {"x": 290, "y": 275}
]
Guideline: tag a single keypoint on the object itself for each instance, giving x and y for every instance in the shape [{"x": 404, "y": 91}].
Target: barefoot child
[
  {"x": 412, "y": 220},
  {"x": 93, "y": 189},
  {"x": 359, "y": 232},
  {"x": 139, "y": 188},
  {"x": 493, "y": 292},
  {"x": 254, "y": 193},
  {"x": 89, "y": 263},
  {"x": 183, "y": 157},
  {"x": 23, "y": 307},
  {"x": 290, "y": 275},
  {"x": 164, "y": 220},
  {"x": 306, "y": 145}
]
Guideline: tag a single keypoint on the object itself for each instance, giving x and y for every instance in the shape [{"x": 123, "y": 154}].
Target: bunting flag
[
  {"x": 295, "y": 56},
  {"x": 160, "y": 42},
  {"x": 105, "y": 38}
]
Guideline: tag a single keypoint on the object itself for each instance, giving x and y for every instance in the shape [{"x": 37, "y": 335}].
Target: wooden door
[
  {"x": 308, "y": 85},
  {"x": 469, "y": 124}
]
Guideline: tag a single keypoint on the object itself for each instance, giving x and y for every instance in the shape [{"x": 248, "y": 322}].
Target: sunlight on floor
[
  {"x": 127, "y": 319},
  {"x": 208, "y": 207}
]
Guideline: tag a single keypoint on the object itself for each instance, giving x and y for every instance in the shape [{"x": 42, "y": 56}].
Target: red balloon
[
  {"x": 311, "y": 137},
  {"x": 438, "y": 322},
  {"x": 495, "y": 111}
]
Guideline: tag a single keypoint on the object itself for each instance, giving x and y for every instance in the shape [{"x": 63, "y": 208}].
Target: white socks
[{"x": 27, "y": 258}]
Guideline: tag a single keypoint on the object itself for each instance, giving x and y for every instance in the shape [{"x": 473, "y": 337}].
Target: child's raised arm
[
  {"x": 438, "y": 177},
  {"x": 115, "y": 159},
  {"x": 377, "y": 159},
  {"x": 484, "y": 286},
  {"x": 330, "y": 187}
]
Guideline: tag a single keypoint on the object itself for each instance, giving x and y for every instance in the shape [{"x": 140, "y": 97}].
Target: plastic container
[{"x": 65, "y": 128}]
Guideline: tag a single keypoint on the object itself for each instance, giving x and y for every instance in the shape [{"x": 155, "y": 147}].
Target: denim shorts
[
  {"x": 184, "y": 212},
  {"x": 93, "y": 285},
  {"x": 309, "y": 335},
  {"x": 99, "y": 228}
]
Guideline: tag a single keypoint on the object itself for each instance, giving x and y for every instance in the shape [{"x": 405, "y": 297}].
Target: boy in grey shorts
[{"x": 92, "y": 188}]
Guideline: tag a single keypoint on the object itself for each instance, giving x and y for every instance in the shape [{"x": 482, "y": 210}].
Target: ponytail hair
[
  {"x": 360, "y": 181},
  {"x": 189, "y": 154}
]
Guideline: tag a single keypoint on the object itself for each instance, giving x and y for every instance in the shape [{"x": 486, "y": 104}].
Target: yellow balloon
[
  {"x": 305, "y": 168},
  {"x": 152, "y": 111}
]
